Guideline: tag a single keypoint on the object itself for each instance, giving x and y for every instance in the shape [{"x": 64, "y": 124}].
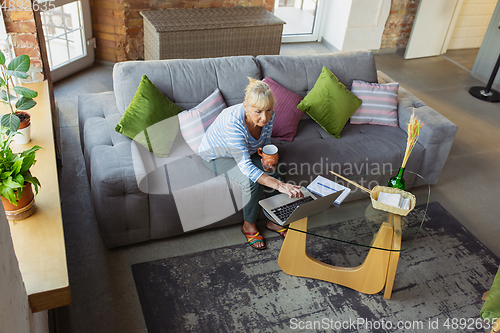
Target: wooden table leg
[
  {"x": 496, "y": 326},
  {"x": 395, "y": 222},
  {"x": 369, "y": 278}
]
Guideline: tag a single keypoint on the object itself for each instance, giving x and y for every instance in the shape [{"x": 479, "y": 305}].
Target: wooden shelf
[{"x": 39, "y": 239}]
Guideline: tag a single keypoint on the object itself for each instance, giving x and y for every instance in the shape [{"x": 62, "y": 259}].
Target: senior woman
[{"x": 229, "y": 147}]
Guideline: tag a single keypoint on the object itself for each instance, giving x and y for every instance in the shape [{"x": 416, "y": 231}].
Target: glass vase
[{"x": 398, "y": 181}]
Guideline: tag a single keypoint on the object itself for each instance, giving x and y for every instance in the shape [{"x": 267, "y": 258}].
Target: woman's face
[{"x": 258, "y": 117}]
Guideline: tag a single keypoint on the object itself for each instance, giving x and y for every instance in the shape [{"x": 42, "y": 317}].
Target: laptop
[{"x": 284, "y": 210}]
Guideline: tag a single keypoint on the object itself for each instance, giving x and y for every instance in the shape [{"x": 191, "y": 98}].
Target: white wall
[
  {"x": 355, "y": 24},
  {"x": 14, "y": 308},
  {"x": 366, "y": 24},
  {"x": 336, "y": 17},
  {"x": 15, "y": 313},
  {"x": 472, "y": 24}
]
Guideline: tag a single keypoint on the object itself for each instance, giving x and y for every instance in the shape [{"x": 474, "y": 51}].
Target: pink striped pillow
[
  {"x": 287, "y": 116},
  {"x": 194, "y": 122},
  {"x": 380, "y": 103}
]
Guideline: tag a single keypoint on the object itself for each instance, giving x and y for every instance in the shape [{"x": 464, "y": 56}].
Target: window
[{"x": 64, "y": 34}]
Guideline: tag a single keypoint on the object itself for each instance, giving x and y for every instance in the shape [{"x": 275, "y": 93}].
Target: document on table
[{"x": 323, "y": 186}]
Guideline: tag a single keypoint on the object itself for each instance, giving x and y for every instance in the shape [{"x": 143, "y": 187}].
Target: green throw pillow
[
  {"x": 330, "y": 103},
  {"x": 491, "y": 308},
  {"x": 149, "y": 119}
]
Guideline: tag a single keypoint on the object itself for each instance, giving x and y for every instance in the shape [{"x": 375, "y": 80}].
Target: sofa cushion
[
  {"x": 194, "y": 122},
  {"x": 380, "y": 103},
  {"x": 287, "y": 116},
  {"x": 299, "y": 73},
  {"x": 329, "y": 103},
  {"x": 186, "y": 82},
  {"x": 146, "y": 119}
]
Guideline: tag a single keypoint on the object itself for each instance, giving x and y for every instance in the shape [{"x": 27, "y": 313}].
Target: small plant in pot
[
  {"x": 16, "y": 181},
  {"x": 17, "y": 119}
]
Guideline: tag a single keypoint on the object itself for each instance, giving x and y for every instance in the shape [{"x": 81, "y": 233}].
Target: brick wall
[
  {"x": 399, "y": 23},
  {"x": 21, "y": 26},
  {"x": 108, "y": 25},
  {"x": 118, "y": 26}
]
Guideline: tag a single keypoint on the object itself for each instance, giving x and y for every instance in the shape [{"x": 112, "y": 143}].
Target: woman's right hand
[{"x": 293, "y": 191}]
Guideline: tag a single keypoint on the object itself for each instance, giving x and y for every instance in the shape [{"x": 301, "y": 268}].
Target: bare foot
[{"x": 251, "y": 228}]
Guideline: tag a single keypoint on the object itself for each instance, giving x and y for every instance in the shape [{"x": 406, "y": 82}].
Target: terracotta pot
[
  {"x": 25, "y": 206},
  {"x": 26, "y": 121}
]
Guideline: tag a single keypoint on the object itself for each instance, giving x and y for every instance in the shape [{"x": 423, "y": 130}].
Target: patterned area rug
[{"x": 438, "y": 287}]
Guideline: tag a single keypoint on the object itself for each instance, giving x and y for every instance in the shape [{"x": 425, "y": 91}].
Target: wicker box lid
[{"x": 169, "y": 20}]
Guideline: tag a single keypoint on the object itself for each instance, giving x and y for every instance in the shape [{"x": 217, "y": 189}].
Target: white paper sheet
[
  {"x": 394, "y": 200},
  {"x": 323, "y": 186}
]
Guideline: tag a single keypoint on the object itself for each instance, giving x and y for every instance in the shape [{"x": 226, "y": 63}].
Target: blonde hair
[{"x": 259, "y": 95}]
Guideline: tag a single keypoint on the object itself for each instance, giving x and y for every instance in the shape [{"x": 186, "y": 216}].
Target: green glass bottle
[{"x": 398, "y": 181}]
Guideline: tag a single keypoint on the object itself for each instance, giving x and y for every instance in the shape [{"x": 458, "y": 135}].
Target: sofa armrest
[
  {"x": 97, "y": 118},
  {"x": 94, "y": 105},
  {"x": 436, "y": 136},
  {"x": 121, "y": 208}
]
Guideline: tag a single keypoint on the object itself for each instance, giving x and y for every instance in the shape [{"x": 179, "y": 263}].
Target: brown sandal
[{"x": 253, "y": 238}]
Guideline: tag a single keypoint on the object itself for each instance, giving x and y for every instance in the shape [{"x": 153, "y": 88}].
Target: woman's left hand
[{"x": 268, "y": 168}]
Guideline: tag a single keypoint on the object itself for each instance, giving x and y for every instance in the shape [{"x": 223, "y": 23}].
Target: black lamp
[{"x": 486, "y": 93}]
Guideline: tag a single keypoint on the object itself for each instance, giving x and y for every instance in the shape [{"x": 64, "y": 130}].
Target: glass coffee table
[{"x": 384, "y": 234}]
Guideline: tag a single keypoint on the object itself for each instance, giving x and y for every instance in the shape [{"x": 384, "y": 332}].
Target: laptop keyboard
[{"x": 283, "y": 212}]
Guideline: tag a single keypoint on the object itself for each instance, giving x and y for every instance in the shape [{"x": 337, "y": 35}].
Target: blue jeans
[{"x": 252, "y": 192}]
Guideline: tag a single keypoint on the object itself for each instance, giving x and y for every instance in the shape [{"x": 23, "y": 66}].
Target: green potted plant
[
  {"x": 16, "y": 180},
  {"x": 17, "y": 119}
]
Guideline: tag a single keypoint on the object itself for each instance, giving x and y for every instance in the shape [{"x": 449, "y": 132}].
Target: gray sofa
[{"x": 138, "y": 197}]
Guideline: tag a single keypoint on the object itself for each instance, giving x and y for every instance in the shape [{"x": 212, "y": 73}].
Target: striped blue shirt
[{"x": 228, "y": 136}]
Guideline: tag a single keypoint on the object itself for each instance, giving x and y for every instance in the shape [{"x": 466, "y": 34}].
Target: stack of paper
[
  {"x": 323, "y": 186},
  {"x": 394, "y": 200}
]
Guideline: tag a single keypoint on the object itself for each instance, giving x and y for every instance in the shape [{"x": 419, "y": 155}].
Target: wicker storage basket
[
  {"x": 210, "y": 32},
  {"x": 378, "y": 205}
]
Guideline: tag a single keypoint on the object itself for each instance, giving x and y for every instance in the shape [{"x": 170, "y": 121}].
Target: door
[
  {"x": 430, "y": 29},
  {"x": 67, "y": 30},
  {"x": 302, "y": 19}
]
